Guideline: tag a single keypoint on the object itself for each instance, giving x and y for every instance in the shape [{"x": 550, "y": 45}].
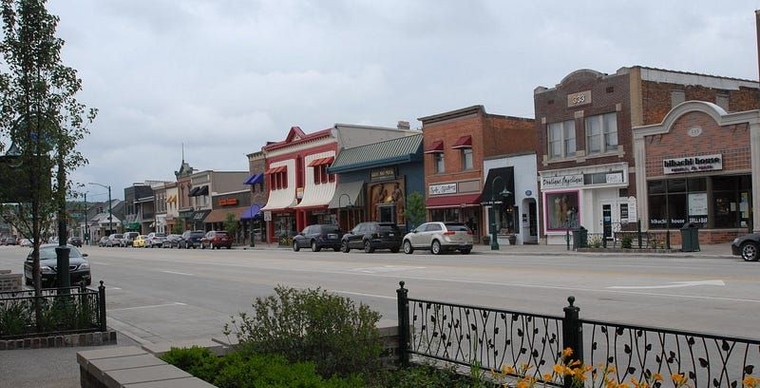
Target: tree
[
  {"x": 42, "y": 118},
  {"x": 415, "y": 209},
  {"x": 231, "y": 225}
]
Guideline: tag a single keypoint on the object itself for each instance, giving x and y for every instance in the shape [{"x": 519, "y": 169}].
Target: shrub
[
  {"x": 312, "y": 325},
  {"x": 626, "y": 242}
]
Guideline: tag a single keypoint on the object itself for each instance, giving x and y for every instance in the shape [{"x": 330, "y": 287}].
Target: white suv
[{"x": 438, "y": 237}]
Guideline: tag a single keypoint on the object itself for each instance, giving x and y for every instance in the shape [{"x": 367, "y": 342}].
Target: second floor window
[
  {"x": 561, "y": 138},
  {"x": 278, "y": 180},
  {"x": 439, "y": 164},
  {"x": 321, "y": 175},
  {"x": 601, "y": 133},
  {"x": 467, "y": 163}
]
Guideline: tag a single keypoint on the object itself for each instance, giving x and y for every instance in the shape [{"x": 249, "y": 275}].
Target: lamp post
[
  {"x": 340, "y": 207},
  {"x": 110, "y": 210},
  {"x": 492, "y": 216}
]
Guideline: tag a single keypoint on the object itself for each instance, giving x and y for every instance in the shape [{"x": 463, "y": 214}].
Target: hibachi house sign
[{"x": 693, "y": 164}]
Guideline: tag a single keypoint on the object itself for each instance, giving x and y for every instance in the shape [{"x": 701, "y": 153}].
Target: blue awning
[
  {"x": 252, "y": 212},
  {"x": 254, "y": 179}
]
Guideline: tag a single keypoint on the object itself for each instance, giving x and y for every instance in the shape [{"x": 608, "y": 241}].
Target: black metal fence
[
  {"x": 521, "y": 345},
  {"x": 56, "y": 311}
]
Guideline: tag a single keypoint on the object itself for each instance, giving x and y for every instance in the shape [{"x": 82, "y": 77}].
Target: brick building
[
  {"x": 585, "y": 140},
  {"x": 456, "y": 144}
]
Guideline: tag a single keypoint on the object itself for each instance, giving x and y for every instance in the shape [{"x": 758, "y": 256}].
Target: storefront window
[
  {"x": 445, "y": 215},
  {"x": 674, "y": 202},
  {"x": 562, "y": 210}
]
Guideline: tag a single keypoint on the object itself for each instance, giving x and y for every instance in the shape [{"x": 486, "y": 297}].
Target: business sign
[
  {"x": 693, "y": 164},
  {"x": 577, "y": 99},
  {"x": 382, "y": 174},
  {"x": 448, "y": 188},
  {"x": 562, "y": 182},
  {"x": 228, "y": 201}
]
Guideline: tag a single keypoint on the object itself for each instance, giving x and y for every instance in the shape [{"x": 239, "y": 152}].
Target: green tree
[
  {"x": 231, "y": 225},
  {"x": 415, "y": 209},
  {"x": 177, "y": 228},
  {"x": 41, "y": 117}
]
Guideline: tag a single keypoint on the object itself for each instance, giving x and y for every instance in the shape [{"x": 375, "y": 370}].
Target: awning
[
  {"x": 254, "y": 211},
  {"x": 463, "y": 142},
  {"x": 321, "y": 161},
  {"x": 194, "y": 191},
  {"x": 281, "y": 199},
  {"x": 275, "y": 170},
  {"x": 504, "y": 177},
  {"x": 200, "y": 215},
  {"x": 447, "y": 201},
  {"x": 435, "y": 148},
  {"x": 347, "y": 194},
  {"x": 220, "y": 215},
  {"x": 254, "y": 179},
  {"x": 203, "y": 190},
  {"x": 317, "y": 195}
]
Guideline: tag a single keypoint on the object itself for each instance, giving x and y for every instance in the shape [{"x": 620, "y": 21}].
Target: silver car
[{"x": 438, "y": 237}]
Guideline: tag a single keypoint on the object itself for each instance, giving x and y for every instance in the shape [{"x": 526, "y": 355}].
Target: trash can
[
  {"x": 580, "y": 237},
  {"x": 690, "y": 238}
]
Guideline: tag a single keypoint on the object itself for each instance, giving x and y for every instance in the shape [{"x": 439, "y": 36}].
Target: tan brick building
[{"x": 584, "y": 124}]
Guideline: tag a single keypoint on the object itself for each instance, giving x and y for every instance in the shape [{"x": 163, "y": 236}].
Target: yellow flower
[
  {"x": 559, "y": 369},
  {"x": 679, "y": 379},
  {"x": 751, "y": 382},
  {"x": 567, "y": 352},
  {"x": 507, "y": 370},
  {"x": 656, "y": 376}
]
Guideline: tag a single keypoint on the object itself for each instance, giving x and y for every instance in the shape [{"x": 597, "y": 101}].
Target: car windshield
[
  {"x": 197, "y": 234},
  {"x": 457, "y": 227},
  {"x": 388, "y": 228},
  {"x": 221, "y": 233},
  {"x": 159, "y": 235},
  {"x": 48, "y": 253},
  {"x": 117, "y": 236}
]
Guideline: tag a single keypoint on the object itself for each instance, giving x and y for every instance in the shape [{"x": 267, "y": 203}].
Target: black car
[
  {"x": 190, "y": 239},
  {"x": 372, "y": 235},
  {"x": 747, "y": 246},
  {"x": 318, "y": 236},
  {"x": 171, "y": 241},
  {"x": 79, "y": 267},
  {"x": 75, "y": 241}
]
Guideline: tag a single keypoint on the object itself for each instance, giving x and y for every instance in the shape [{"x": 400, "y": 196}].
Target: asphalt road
[{"x": 160, "y": 295}]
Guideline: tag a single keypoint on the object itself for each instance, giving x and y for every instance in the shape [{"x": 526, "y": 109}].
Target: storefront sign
[
  {"x": 632, "y": 210},
  {"x": 614, "y": 178},
  {"x": 693, "y": 164},
  {"x": 448, "y": 188},
  {"x": 267, "y": 216},
  {"x": 561, "y": 182},
  {"x": 698, "y": 204},
  {"x": 228, "y": 201},
  {"x": 382, "y": 174}
]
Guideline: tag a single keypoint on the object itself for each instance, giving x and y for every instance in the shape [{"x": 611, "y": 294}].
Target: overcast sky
[{"x": 226, "y": 76}]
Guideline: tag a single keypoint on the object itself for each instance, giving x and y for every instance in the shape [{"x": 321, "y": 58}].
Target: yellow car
[{"x": 139, "y": 241}]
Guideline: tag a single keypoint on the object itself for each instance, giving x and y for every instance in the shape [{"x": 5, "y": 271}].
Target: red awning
[
  {"x": 436, "y": 147},
  {"x": 465, "y": 200},
  {"x": 463, "y": 142},
  {"x": 321, "y": 161},
  {"x": 274, "y": 170}
]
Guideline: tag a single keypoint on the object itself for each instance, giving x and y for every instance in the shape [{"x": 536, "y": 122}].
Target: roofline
[{"x": 375, "y": 163}]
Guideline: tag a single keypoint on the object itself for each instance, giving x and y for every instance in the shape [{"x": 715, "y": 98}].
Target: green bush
[
  {"x": 626, "y": 242},
  {"x": 246, "y": 370},
  {"x": 312, "y": 325}
]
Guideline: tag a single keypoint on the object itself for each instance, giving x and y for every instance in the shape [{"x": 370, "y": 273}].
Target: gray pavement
[{"x": 57, "y": 367}]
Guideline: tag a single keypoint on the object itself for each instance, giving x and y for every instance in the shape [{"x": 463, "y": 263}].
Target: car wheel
[
  {"x": 368, "y": 247},
  {"x": 229, "y": 246},
  {"x": 749, "y": 251},
  {"x": 435, "y": 247},
  {"x": 211, "y": 246},
  {"x": 465, "y": 251},
  {"x": 344, "y": 247},
  {"x": 315, "y": 247},
  {"x": 296, "y": 248},
  {"x": 394, "y": 250},
  {"x": 408, "y": 249}
]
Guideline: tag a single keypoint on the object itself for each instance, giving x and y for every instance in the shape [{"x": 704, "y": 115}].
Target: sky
[{"x": 214, "y": 80}]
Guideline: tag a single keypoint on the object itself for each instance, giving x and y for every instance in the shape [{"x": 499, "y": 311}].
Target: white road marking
[
  {"x": 368, "y": 295},
  {"x": 178, "y": 273},
  {"x": 385, "y": 268},
  {"x": 150, "y": 306},
  {"x": 675, "y": 285}
]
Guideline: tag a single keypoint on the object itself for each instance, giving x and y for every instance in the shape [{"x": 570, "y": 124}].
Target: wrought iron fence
[
  {"x": 531, "y": 345},
  {"x": 56, "y": 311}
]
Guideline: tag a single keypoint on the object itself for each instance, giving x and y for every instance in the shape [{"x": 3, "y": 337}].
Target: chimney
[{"x": 405, "y": 124}]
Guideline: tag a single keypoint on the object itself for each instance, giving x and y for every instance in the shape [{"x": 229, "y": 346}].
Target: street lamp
[
  {"x": 492, "y": 217},
  {"x": 110, "y": 212},
  {"x": 340, "y": 207}
]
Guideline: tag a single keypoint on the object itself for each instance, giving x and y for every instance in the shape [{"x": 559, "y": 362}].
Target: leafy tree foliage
[
  {"x": 415, "y": 209},
  {"x": 41, "y": 121}
]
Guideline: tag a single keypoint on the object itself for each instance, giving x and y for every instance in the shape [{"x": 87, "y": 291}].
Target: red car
[{"x": 216, "y": 239}]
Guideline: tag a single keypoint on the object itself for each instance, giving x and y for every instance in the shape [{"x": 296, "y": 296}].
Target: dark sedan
[
  {"x": 318, "y": 236},
  {"x": 372, "y": 235},
  {"x": 79, "y": 267},
  {"x": 747, "y": 246}
]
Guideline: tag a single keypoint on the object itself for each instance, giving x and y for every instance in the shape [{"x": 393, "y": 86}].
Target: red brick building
[
  {"x": 456, "y": 143},
  {"x": 585, "y": 140}
]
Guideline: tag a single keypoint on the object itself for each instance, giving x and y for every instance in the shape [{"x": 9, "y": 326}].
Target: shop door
[
  {"x": 386, "y": 213},
  {"x": 607, "y": 220}
]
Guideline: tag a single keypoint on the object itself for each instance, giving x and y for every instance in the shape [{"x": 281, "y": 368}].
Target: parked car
[
  {"x": 114, "y": 240},
  {"x": 140, "y": 241},
  {"x": 747, "y": 246},
  {"x": 102, "y": 242},
  {"x": 128, "y": 239},
  {"x": 79, "y": 267},
  {"x": 191, "y": 239},
  {"x": 318, "y": 236},
  {"x": 372, "y": 235},
  {"x": 216, "y": 239},
  {"x": 75, "y": 241},
  {"x": 438, "y": 237},
  {"x": 25, "y": 242},
  {"x": 171, "y": 241},
  {"x": 155, "y": 239}
]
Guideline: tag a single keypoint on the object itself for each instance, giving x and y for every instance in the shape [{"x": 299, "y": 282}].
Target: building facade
[{"x": 584, "y": 124}]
